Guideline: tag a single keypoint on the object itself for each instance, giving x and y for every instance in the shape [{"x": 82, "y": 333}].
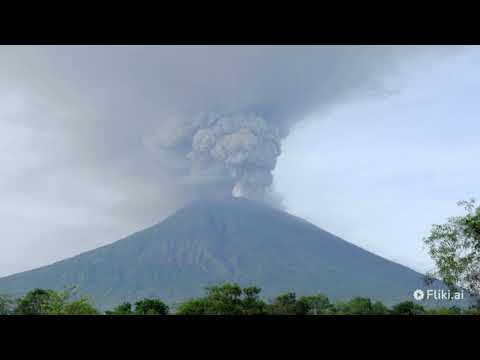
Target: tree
[
  {"x": 361, "y": 306},
  {"x": 356, "y": 306},
  {"x": 68, "y": 303},
  {"x": 151, "y": 307},
  {"x": 455, "y": 248},
  {"x": 472, "y": 311},
  {"x": 142, "y": 307},
  {"x": 34, "y": 302},
  {"x": 453, "y": 310},
  {"x": 51, "y": 302},
  {"x": 82, "y": 306},
  {"x": 6, "y": 305},
  {"x": 315, "y": 305},
  {"x": 408, "y": 308},
  {"x": 122, "y": 309},
  {"x": 227, "y": 299},
  {"x": 194, "y": 307},
  {"x": 224, "y": 300},
  {"x": 379, "y": 308},
  {"x": 251, "y": 302},
  {"x": 285, "y": 304}
]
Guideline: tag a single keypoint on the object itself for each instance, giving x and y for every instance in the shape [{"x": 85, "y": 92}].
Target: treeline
[{"x": 227, "y": 299}]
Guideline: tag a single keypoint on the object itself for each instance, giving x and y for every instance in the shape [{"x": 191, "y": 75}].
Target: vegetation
[
  {"x": 142, "y": 307},
  {"x": 455, "y": 248},
  {"x": 6, "y": 305},
  {"x": 229, "y": 299},
  {"x": 226, "y": 299},
  {"x": 50, "y": 302},
  {"x": 410, "y": 308},
  {"x": 362, "y": 306}
]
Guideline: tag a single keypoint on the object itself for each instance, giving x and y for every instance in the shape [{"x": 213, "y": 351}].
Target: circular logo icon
[{"x": 418, "y": 294}]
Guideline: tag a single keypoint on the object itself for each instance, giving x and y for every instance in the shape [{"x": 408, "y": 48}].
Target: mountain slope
[{"x": 210, "y": 242}]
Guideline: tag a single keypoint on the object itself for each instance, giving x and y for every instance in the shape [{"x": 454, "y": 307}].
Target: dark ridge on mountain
[{"x": 210, "y": 242}]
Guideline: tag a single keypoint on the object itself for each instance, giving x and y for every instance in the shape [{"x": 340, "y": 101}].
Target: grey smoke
[
  {"x": 242, "y": 148},
  {"x": 153, "y": 127}
]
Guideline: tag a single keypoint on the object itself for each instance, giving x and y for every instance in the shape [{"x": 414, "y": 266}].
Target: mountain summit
[{"x": 209, "y": 242}]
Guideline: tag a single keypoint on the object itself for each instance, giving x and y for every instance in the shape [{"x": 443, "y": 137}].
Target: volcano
[{"x": 211, "y": 242}]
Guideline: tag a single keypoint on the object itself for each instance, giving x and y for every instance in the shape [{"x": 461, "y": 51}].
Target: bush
[
  {"x": 6, "y": 305},
  {"x": 228, "y": 299},
  {"x": 408, "y": 308},
  {"x": 151, "y": 307},
  {"x": 51, "y": 302}
]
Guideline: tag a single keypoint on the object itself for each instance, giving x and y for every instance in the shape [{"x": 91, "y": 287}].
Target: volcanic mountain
[{"x": 210, "y": 242}]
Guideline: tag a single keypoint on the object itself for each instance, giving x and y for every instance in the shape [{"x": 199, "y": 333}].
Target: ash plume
[
  {"x": 142, "y": 130},
  {"x": 240, "y": 148}
]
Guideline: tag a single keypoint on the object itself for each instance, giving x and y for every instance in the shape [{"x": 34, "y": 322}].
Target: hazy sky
[
  {"x": 377, "y": 142},
  {"x": 379, "y": 172}
]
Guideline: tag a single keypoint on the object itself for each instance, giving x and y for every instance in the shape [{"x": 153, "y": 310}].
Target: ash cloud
[
  {"x": 240, "y": 149},
  {"x": 159, "y": 126}
]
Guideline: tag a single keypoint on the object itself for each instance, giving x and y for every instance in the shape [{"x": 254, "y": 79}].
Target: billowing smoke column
[
  {"x": 241, "y": 147},
  {"x": 131, "y": 116}
]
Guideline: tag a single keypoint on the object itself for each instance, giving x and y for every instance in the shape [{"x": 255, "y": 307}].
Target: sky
[
  {"x": 380, "y": 172},
  {"x": 373, "y": 144}
]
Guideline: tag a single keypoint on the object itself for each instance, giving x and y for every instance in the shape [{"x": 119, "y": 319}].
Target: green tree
[
  {"x": 379, "y": 308},
  {"x": 67, "y": 302},
  {"x": 315, "y": 305},
  {"x": 151, "y": 307},
  {"x": 122, "y": 309},
  {"x": 356, "y": 306},
  {"x": 34, "y": 302},
  {"x": 285, "y": 304},
  {"x": 472, "y": 311},
  {"x": 51, "y": 302},
  {"x": 194, "y": 307},
  {"x": 455, "y": 248},
  {"x": 6, "y": 305},
  {"x": 227, "y": 299},
  {"x": 408, "y": 308},
  {"x": 453, "y": 310},
  {"x": 251, "y": 302},
  {"x": 83, "y": 306}
]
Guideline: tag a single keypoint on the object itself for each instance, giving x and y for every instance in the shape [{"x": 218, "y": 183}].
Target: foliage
[
  {"x": 151, "y": 307},
  {"x": 82, "y": 306},
  {"x": 194, "y": 307},
  {"x": 227, "y": 299},
  {"x": 50, "y": 302},
  {"x": 379, "y": 308},
  {"x": 455, "y": 248},
  {"x": 122, "y": 309},
  {"x": 251, "y": 303},
  {"x": 472, "y": 311},
  {"x": 6, "y": 305},
  {"x": 408, "y": 308},
  {"x": 142, "y": 307},
  {"x": 288, "y": 304},
  {"x": 315, "y": 305},
  {"x": 356, "y": 306},
  {"x": 33, "y": 303},
  {"x": 64, "y": 303},
  {"x": 453, "y": 310},
  {"x": 285, "y": 304}
]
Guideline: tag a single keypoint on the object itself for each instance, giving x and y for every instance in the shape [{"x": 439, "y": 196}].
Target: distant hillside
[{"x": 236, "y": 240}]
